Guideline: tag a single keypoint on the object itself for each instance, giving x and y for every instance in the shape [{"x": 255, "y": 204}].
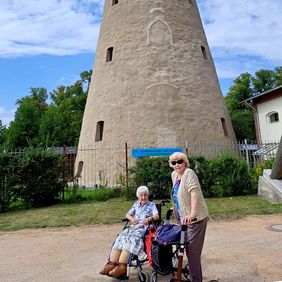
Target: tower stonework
[{"x": 154, "y": 82}]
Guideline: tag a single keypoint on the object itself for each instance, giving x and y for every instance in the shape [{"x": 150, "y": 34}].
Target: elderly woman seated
[{"x": 130, "y": 240}]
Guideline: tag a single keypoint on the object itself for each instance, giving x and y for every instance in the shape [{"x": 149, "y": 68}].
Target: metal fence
[
  {"x": 109, "y": 166},
  {"x": 96, "y": 167}
]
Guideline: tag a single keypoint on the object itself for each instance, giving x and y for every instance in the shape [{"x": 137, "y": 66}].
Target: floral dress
[{"x": 131, "y": 238}]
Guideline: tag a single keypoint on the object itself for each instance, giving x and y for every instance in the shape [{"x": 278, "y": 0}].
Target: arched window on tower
[
  {"x": 114, "y": 2},
  {"x": 99, "y": 131},
  {"x": 204, "y": 52},
  {"x": 110, "y": 53},
  {"x": 224, "y": 127}
]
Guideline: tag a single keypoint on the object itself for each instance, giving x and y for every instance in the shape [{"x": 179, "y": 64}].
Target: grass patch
[
  {"x": 112, "y": 211},
  {"x": 238, "y": 207}
]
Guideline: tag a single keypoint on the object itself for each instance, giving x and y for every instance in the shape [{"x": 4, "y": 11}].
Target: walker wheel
[
  {"x": 154, "y": 276},
  {"x": 143, "y": 276}
]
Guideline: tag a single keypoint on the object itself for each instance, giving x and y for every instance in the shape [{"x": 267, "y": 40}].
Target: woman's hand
[
  {"x": 188, "y": 219},
  {"x": 133, "y": 220},
  {"x": 147, "y": 220}
]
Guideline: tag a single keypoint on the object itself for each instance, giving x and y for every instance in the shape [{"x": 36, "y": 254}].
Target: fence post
[
  {"x": 247, "y": 153},
  {"x": 186, "y": 149},
  {"x": 126, "y": 164}
]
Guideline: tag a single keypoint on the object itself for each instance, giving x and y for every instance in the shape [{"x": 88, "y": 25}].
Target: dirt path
[{"x": 239, "y": 250}]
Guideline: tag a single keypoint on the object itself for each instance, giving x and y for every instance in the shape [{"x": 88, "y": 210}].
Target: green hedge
[
  {"x": 32, "y": 178},
  {"x": 221, "y": 177},
  {"x": 8, "y": 180},
  {"x": 40, "y": 177},
  {"x": 154, "y": 173}
]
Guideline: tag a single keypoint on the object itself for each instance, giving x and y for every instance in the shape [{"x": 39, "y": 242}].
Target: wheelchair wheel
[
  {"x": 186, "y": 272},
  {"x": 154, "y": 276},
  {"x": 143, "y": 276}
]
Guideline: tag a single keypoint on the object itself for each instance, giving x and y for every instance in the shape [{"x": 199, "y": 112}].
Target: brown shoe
[
  {"x": 107, "y": 268},
  {"x": 119, "y": 271}
]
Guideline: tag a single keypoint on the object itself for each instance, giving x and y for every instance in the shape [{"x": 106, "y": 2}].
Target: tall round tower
[{"x": 154, "y": 82}]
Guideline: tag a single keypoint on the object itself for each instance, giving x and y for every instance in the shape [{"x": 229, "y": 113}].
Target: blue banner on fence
[{"x": 153, "y": 152}]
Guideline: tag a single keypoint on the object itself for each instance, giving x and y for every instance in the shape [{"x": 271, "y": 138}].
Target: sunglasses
[{"x": 177, "y": 162}]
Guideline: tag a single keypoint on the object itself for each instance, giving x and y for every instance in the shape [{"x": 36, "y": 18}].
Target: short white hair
[{"x": 142, "y": 189}]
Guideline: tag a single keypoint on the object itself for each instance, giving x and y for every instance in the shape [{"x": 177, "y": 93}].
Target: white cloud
[
  {"x": 243, "y": 35},
  {"x": 6, "y": 116},
  {"x": 56, "y": 27}
]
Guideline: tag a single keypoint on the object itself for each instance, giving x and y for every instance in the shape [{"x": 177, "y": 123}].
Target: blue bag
[{"x": 168, "y": 233}]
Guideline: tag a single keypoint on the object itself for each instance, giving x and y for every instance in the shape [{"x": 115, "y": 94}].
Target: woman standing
[{"x": 189, "y": 208}]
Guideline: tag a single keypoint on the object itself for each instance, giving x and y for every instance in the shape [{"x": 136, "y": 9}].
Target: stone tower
[{"x": 154, "y": 82}]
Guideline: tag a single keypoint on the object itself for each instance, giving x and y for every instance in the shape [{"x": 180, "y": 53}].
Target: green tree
[
  {"x": 62, "y": 121},
  {"x": 240, "y": 113},
  {"x": 245, "y": 86},
  {"x": 2, "y": 132},
  {"x": 278, "y": 76},
  {"x": 24, "y": 130},
  {"x": 238, "y": 92},
  {"x": 263, "y": 80}
]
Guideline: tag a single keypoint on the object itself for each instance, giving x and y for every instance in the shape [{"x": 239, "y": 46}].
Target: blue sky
[{"x": 46, "y": 43}]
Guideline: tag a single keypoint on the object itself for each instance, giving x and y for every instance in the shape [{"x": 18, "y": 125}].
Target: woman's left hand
[{"x": 188, "y": 219}]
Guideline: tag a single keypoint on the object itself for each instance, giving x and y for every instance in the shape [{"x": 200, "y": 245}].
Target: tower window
[
  {"x": 190, "y": 2},
  {"x": 274, "y": 117},
  {"x": 99, "y": 131},
  {"x": 224, "y": 127},
  {"x": 110, "y": 52},
  {"x": 114, "y": 2},
  {"x": 204, "y": 52}
]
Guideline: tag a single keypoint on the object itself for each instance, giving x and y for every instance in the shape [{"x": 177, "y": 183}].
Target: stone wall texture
[{"x": 161, "y": 88}]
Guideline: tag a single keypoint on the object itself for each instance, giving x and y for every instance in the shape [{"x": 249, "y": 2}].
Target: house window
[
  {"x": 224, "y": 127},
  {"x": 99, "y": 131},
  {"x": 274, "y": 117},
  {"x": 114, "y": 2},
  {"x": 204, "y": 52},
  {"x": 110, "y": 52}
]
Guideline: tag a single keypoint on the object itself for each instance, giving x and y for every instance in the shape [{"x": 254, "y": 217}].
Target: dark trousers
[{"x": 196, "y": 237}]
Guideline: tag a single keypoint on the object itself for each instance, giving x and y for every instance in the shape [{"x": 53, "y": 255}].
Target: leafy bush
[
  {"x": 257, "y": 171},
  {"x": 202, "y": 168},
  {"x": 8, "y": 180},
  {"x": 154, "y": 173},
  {"x": 40, "y": 177},
  {"x": 229, "y": 176},
  {"x": 222, "y": 177}
]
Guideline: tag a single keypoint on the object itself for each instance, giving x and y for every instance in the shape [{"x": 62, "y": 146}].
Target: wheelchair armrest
[{"x": 124, "y": 220}]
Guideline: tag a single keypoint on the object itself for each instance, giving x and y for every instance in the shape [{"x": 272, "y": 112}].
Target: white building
[{"x": 268, "y": 115}]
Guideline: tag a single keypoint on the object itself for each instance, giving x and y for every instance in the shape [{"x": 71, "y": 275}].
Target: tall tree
[
  {"x": 24, "y": 130},
  {"x": 56, "y": 124},
  {"x": 63, "y": 119},
  {"x": 244, "y": 87},
  {"x": 2, "y": 131},
  {"x": 278, "y": 76},
  {"x": 263, "y": 80},
  {"x": 238, "y": 92}
]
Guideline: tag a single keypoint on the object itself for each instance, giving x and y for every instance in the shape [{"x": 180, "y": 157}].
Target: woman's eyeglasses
[{"x": 177, "y": 162}]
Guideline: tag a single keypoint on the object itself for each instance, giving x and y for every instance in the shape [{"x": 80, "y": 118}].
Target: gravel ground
[{"x": 237, "y": 250}]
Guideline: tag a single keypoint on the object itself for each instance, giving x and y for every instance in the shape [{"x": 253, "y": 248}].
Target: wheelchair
[{"x": 138, "y": 262}]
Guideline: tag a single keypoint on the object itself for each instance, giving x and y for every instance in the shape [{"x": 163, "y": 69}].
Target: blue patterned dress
[{"x": 131, "y": 238}]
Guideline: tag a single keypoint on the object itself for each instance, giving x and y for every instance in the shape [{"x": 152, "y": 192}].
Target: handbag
[{"x": 168, "y": 233}]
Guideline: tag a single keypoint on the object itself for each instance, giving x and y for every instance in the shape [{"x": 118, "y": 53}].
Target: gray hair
[{"x": 142, "y": 189}]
